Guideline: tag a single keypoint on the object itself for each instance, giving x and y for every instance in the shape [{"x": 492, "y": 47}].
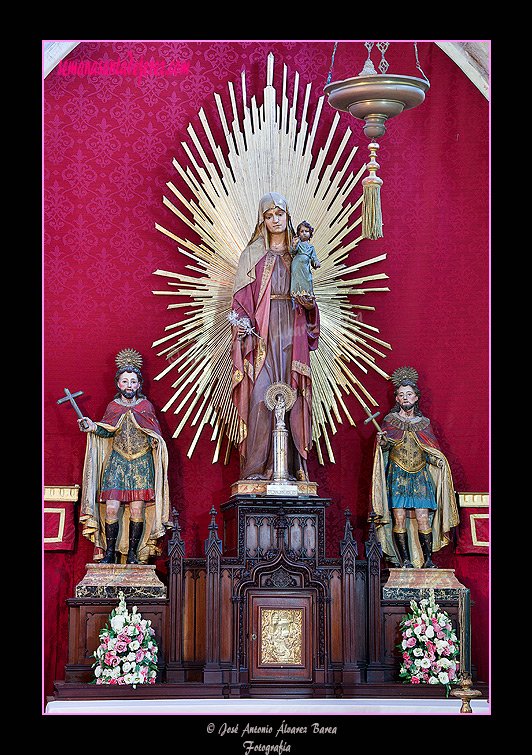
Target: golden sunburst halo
[
  {"x": 404, "y": 373},
  {"x": 268, "y": 149},
  {"x": 129, "y": 357}
]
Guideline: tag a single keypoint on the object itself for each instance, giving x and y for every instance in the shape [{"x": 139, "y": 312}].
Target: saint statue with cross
[
  {"x": 412, "y": 487},
  {"x": 125, "y": 506}
]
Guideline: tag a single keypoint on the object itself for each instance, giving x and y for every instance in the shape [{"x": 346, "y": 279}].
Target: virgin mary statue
[{"x": 278, "y": 349}]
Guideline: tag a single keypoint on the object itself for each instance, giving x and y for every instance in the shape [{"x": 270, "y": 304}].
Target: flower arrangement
[
  {"x": 127, "y": 653},
  {"x": 430, "y": 646}
]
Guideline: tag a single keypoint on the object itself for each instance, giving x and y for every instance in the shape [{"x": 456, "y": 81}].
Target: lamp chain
[
  {"x": 417, "y": 63},
  {"x": 383, "y": 65}
]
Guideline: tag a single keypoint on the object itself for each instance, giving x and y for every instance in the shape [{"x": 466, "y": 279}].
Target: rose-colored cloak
[{"x": 287, "y": 333}]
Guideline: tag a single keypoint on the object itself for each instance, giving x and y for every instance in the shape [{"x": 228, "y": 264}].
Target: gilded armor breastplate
[
  {"x": 129, "y": 441},
  {"x": 407, "y": 454}
]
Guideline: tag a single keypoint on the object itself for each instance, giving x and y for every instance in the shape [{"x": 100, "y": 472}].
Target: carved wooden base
[
  {"x": 265, "y": 613},
  {"x": 194, "y": 690}
]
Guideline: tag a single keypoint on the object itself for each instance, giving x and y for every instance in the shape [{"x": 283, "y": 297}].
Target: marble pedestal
[
  {"x": 107, "y": 580},
  {"x": 267, "y": 487},
  {"x": 415, "y": 584}
]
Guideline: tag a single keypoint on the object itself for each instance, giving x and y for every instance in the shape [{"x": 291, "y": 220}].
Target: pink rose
[
  {"x": 111, "y": 659},
  {"x": 411, "y": 642},
  {"x": 120, "y": 647},
  {"x": 414, "y": 680},
  {"x": 139, "y": 656}
]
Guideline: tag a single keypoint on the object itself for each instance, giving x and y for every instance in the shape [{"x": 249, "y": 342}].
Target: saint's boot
[
  {"x": 111, "y": 533},
  {"x": 425, "y": 539},
  {"x": 401, "y": 543},
  {"x": 135, "y": 533}
]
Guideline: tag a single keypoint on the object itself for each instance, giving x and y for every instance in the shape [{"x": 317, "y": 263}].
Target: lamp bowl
[{"x": 376, "y": 97}]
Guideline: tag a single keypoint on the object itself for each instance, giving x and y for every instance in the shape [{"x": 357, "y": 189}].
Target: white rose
[
  {"x": 429, "y": 631},
  {"x": 117, "y": 622},
  {"x": 126, "y": 666},
  {"x": 134, "y": 645},
  {"x": 443, "y": 677}
]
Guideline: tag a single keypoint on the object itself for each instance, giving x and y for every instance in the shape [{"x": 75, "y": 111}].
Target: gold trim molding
[
  {"x": 472, "y": 523},
  {"x": 474, "y": 500},
  {"x": 61, "y": 493}
]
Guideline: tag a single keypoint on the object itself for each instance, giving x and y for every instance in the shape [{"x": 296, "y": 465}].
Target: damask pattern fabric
[{"x": 109, "y": 141}]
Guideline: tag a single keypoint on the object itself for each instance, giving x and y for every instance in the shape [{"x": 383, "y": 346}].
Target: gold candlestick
[{"x": 465, "y": 693}]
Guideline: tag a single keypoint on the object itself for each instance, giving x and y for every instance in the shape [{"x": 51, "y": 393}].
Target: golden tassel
[{"x": 371, "y": 198}]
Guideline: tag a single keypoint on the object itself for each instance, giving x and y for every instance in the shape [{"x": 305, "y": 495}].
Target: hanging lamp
[{"x": 374, "y": 98}]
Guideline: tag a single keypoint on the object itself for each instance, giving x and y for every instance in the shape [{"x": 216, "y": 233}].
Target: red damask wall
[{"x": 108, "y": 148}]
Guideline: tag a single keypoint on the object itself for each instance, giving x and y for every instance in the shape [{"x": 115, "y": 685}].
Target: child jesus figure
[{"x": 304, "y": 257}]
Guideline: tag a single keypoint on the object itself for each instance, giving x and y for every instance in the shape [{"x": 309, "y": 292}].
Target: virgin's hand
[{"x": 308, "y": 302}]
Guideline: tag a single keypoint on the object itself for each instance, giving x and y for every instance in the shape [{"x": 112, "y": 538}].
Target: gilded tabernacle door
[{"x": 281, "y": 637}]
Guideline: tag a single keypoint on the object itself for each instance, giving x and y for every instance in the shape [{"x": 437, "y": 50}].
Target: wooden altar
[{"x": 265, "y": 613}]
